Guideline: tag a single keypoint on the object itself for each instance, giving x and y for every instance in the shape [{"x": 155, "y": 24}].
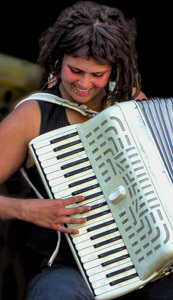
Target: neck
[{"x": 96, "y": 103}]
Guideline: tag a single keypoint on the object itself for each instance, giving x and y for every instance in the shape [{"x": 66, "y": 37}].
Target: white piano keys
[
  {"x": 89, "y": 243},
  {"x": 49, "y": 163},
  {"x": 115, "y": 244},
  {"x": 67, "y": 193},
  {"x": 51, "y": 153},
  {"x": 92, "y": 201},
  {"x": 107, "y": 260},
  {"x": 120, "y": 283},
  {"x": 107, "y": 269},
  {"x": 85, "y": 229},
  {"x": 89, "y": 235},
  {"x": 53, "y": 135},
  {"x": 50, "y": 148},
  {"x": 87, "y": 255},
  {"x": 53, "y": 160},
  {"x": 65, "y": 185},
  {"x": 106, "y": 281},
  {"x": 96, "y": 214},
  {"x": 97, "y": 269},
  {"x": 50, "y": 171},
  {"x": 85, "y": 226},
  {"x": 119, "y": 268}
]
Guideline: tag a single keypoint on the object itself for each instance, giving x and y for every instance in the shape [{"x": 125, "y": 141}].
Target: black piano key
[
  {"x": 64, "y": 146},
  {"x": 100, "y": 225},
  {"x": 74, "y": 163},
  {"x": 72, "y": 173},
  {"x": 93, "y": 195},
  {"x": 70, "y": 153},
  {"x": 116, "y": 250},
  {"x": 111, "y": 261},
  {"x": 123, "y": 279},
  {"x": 88, "y": 188},
  {"x": 64, "y": 137},
  {"x": 120, "y": 271},
  {"x": 101, "y": 234},
  {"x": 102, "y": 213},
  {"x": 119, "y": 237},
  {"x": 82, "y": 181},
  {"x": 101, "y": 204}
]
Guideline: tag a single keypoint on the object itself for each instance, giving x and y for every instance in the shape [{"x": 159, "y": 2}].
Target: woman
[{"x": 89, "y": 49}]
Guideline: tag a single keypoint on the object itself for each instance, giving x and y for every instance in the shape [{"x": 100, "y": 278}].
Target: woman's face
[{"x": 83, "y": 79}]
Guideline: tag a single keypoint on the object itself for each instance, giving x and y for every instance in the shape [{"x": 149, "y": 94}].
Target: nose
[{"x": 84, "y": 81}]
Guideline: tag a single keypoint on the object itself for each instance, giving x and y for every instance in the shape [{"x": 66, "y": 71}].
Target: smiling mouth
[{"x": 82, "y": 91}]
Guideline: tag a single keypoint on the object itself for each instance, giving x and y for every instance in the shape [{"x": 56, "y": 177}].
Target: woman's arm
[
  {"x": 46, "y": 213},
  {"x": 21, "y": 126}
]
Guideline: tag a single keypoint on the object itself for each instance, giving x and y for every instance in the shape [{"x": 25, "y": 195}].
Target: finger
[
  {"x": 77, "y": 210},
  {"x": 67, "y": 230},
  {"x": 72, "y": 200},
  {"x": 72, "y": 220}
]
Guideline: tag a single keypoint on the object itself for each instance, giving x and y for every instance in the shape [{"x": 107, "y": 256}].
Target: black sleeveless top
[{"x": 43, "y": 240}]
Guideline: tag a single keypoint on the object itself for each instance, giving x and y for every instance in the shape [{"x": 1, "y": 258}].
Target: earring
[
  {"x": 55, "y": 65},
  {"x": 112, "y": 85}
]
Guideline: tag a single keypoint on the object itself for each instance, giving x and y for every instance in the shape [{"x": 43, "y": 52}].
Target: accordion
[{"x": 121, "y": 162}]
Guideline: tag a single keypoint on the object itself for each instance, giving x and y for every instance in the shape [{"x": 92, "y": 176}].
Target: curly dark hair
[{"x": 91, "y": 30}]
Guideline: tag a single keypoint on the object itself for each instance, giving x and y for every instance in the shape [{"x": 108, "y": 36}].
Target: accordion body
[{"x": 121, "y": 162}]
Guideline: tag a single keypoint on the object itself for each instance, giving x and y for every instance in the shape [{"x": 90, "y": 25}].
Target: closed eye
[
  {"x": 76, "y": 71},
  {"x": 98, "y": 75}
]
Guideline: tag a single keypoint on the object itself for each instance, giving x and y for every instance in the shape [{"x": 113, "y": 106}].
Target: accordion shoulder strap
[{"x": 82, "y": 108}]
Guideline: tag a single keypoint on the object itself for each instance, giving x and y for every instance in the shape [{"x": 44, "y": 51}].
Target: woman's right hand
[{"x": 54, "y": 213}]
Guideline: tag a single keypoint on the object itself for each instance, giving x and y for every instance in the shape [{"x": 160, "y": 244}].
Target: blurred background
[{"x": 21, "y": 24}]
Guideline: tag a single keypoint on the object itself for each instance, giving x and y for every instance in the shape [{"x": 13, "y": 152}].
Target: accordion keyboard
[{"x": 102, "y": 254}]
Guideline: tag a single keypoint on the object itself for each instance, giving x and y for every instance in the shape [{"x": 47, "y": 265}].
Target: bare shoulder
[
  {"x": 28, "y": 108},
  {"x": 140, "y": 96},
  {"x": 23, "y": 119},
  {"x": 16, "y": 131}
]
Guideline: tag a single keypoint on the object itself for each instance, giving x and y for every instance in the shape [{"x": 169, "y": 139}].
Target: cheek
[
  {"x": 101, "y": 82},
  {"x": 68, "y": 77}
]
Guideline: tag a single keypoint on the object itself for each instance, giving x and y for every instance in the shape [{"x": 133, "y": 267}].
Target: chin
[{"x": 81, "y": 98}]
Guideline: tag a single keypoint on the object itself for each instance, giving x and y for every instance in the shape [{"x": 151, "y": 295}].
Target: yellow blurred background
[{"x": 18, "y": 77}]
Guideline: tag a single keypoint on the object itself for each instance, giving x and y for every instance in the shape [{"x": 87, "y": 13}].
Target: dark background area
[{"x": 23, "y": 22}]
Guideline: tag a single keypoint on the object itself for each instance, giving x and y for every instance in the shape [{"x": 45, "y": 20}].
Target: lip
[{"x": 82, "y": 92}]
